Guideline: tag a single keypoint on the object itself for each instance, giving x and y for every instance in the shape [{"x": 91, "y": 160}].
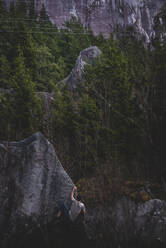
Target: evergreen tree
[
  {"x": 3, "y": 10},
  {"x": 21, "y": 105},
  {"x": 43, "y": 17},
  {"x": 21, "y": 9},
  {"x": 4, "y": 73},
  {"x": 26, "y": 103},
  {"x": 32, "y": 15}
]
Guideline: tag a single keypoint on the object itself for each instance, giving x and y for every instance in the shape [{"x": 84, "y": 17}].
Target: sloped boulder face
[
  {"x": 33, "y": 186},
  {"x": 87, "y": 56}
]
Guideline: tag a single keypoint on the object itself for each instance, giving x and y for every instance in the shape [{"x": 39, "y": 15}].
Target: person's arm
[
  {"x": 59, "y": 213},
  {"x": 84, "y": 209},
  {"x": 82, "y": 206},
  {"x": 72, "y": 193}
]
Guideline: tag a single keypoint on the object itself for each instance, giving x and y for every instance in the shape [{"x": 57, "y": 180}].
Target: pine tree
[
  {"x": 4, "y": 72},
  {"x": 25, "y": 103},
  {"x": 32, "y": 15},
  {"x": 3, "y": 10},
  {"x": 21, "y": 9},
  {"x": 43, "y": 16}
]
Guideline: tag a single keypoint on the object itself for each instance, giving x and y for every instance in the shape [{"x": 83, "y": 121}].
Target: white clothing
[{"x": 75, "y": 209}]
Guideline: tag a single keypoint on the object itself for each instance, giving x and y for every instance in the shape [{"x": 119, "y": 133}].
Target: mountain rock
[
  {"x": 105, "y": 15},
  {"x": 85, "y": 57},
  {"x": 33, "y": 183},
  {"x": 128, "y": 224}
]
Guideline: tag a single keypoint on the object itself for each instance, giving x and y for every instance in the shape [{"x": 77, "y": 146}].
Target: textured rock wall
[
  {"x": 87, "y": 56},
  {"x": 128, "y": 224},
  {"x": 104, "y": 15},
  {"x": 32, "y": 180},
  {"x": 33, "y": 187}
]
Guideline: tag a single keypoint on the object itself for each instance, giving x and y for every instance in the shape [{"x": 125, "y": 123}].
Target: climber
[
  {"x": 74, "y": 210},
  {"x": 77, "y": 208}
]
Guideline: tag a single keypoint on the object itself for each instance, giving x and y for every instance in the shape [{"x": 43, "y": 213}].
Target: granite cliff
[
  {"x": 105, "y": 15},
  {"x": 33, "y": 186}
]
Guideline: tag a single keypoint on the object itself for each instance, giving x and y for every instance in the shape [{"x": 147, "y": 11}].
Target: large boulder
[
  {"x": 33, "y": 184},
  {"x": 85, "y": 57},
  {"x": 128, "y": 224}
]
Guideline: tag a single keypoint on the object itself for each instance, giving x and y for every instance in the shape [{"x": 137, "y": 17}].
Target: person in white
[{"x": 77, "y": 208}]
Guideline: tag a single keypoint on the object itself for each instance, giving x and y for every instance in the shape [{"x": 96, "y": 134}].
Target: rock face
[
  {"x": 104, "y": 15},
  {"x": 33, "y": 183},
  {"x": 128, "y": 224},
  {"x": 86, "y": 56}
]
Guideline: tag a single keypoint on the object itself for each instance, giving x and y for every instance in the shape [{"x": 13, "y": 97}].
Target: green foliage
[
  {"x": 108, "y": 83},
  {"x": 76, "y": 38},
  {"x": 3, "y": 10},
  {"x": 20, "y": 107},
  {"x": 43, "y": 17},
  {"x": 4, "y": 72},
  {"x": 31, "y": 11}
]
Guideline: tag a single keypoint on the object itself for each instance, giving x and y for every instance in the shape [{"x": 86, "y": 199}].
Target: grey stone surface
[
  {"x": 32, "y": 180},
  {"x": 104, "y": 15},
  {"x": 6, "y": 91},
  {"x": 33, "y": 188},
  {"x": 129, "y": 224},
  {"x": 86, "y": 56}
]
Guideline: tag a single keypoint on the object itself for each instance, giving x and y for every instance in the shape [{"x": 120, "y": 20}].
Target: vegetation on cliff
[{"x": 112, "y": 124}]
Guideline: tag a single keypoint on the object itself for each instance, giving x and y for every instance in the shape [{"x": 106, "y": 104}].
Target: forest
[{"x": 111, "y": 130}]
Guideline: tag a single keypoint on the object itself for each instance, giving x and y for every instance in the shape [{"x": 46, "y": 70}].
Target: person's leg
[{"x": 64, "y": 209}]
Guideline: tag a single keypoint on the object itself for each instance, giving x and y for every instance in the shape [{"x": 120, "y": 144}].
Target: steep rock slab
[
  {"x": 86, "y": 56},
  {"x": 33, "y": 183}
]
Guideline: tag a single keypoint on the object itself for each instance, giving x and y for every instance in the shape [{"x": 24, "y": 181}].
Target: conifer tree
[
  {"x": 21, "y": 9},
  {"x": 26, "y": 110},
  {"x": 32, "y": 15},
  {"x": 43, "y": 16}
]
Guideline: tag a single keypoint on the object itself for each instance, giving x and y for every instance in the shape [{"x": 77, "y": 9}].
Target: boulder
[
  {"x": 128, "y": 224},
  {"x": 33, "y": 184},
  {"x": 85, "y": 57}
]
